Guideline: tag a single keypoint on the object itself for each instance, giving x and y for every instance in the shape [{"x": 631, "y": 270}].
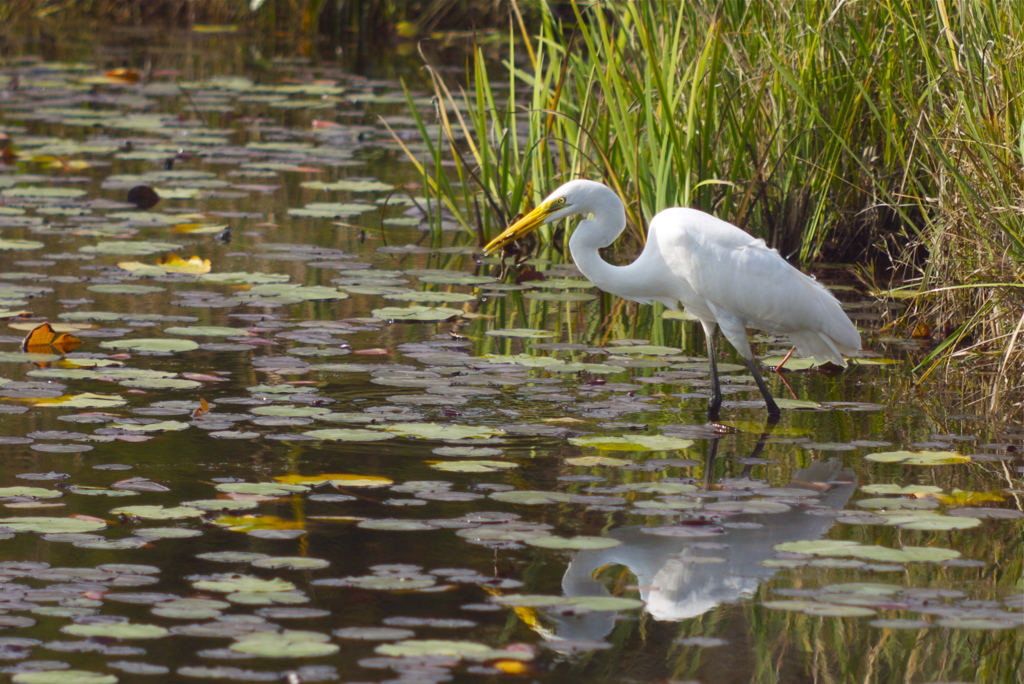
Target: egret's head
[{"x": 563, "y": 202}]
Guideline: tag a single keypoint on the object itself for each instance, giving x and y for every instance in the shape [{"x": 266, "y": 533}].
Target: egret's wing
[{"x": 721, "y": 269}]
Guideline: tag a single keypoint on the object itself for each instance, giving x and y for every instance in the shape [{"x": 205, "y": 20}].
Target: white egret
[{"x": 717, "y": 272}]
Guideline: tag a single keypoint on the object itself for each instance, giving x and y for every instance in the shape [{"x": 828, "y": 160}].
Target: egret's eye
[{"x": 560, "y": 200}]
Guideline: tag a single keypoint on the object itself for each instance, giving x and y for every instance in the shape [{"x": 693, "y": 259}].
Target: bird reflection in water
[{"x": 681, "y": 577}]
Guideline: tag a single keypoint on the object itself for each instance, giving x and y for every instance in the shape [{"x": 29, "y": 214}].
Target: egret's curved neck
[{"x": 590, "y": 236}]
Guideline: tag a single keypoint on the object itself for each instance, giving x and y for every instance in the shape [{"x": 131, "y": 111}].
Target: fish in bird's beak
[{"x": 524, "y": 226}]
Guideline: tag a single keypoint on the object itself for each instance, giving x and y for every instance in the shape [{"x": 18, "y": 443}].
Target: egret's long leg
[
  {"x": 709, "y": 462},
  {"x": 773, "y": 409},
  {"x": 716, "y": 388}
]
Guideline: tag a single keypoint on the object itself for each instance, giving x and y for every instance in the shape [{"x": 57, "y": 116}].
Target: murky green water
[{"x": 525, "y": 485}]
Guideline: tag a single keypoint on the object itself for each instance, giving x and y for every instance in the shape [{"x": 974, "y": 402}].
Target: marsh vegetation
[{"x": 327, "y": 440}]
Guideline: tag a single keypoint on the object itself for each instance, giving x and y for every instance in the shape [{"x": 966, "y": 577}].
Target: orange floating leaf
[
  {"x": 43, "y": 339},
  {"x": 125, "y": 75},
  {"x": 204, "y": 408}
]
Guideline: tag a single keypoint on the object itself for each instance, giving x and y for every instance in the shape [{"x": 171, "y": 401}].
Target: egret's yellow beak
[{"x": 524, "y": 226}]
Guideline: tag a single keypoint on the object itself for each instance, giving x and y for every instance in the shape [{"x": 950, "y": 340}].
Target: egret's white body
[{"x": 717, "y": 272}]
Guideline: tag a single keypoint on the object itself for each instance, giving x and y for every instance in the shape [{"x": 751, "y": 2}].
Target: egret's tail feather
[{"x": 822, "y": 348}]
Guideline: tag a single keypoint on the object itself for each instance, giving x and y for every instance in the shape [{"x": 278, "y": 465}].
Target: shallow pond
[{"x": 344, "y": 449}]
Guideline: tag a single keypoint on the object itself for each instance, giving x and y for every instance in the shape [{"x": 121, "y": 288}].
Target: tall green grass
[{"x": 884, "y": 133}]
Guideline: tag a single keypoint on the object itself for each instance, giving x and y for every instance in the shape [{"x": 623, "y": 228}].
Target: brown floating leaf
[
  {"x": 143, "y": 196},
  {"x": 43, "y": 339}
]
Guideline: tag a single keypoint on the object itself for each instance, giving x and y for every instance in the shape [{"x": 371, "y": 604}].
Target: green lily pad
[
  {"x": 597, "y": 462},
  {"x": 158, "y": 512},
  {"x": 330, "y": 210},
  {"x": 440, "y": 431},
  {"x": 793, "y": 404},
  {"x": 243, "y": 278},
  {"x": 531, "y": 498},
  {"x": 1012, "y": 621},
  {"x": 410, "y": 296},
  {"x": 24, "y": 357},
  {"x": 863, "y": 588},
  {"x": 644, "y": 350},
  {"x": 42, "y": 525},
  {"x": 349, "y": 435},
  {"x": 267, "y": 598},
  {"x": 573, "y": 543},
  {"x": 116, "y": 630},
  {"x": 124, "y": 288},
  {"x": 291, "y": 562},
  {"x": 129, "y": 248},
  {"x": 579, "y": 367},
  {"x": 152, "y": 344},
  {"x": 931, "y": 522},
  {"x": 14, "y": 245},
  {"x": 897, "y": 623},
  {"x": 604, "y": 603},
  {"x": 261, "y": 488},
  {"x": 99, "y": 491},
  {"x": 465, "y": 650},
  {"x": 63, "y": 677},
  {"x": 897, "y": 489},
  {"x": 159, "y": 384},
  {"x": 291, "y": 411},
  {"x": 659, "y": 487},
  {"x": 204, "y": 331},
  {"x": 86, "y": 400},
  {"x": 303, "y": 292},
  {"x": 634, "y": 443},
  {"x": 34, "y": 492},
  {"x": 482, "y": 466},
  {"x": 44, "y": 191},
  {"x": 452, "y": 278},
  {"x": 229, "y": 584},
  {"x": 285, "y": 644},
  {"x": 391, "y": 583},
  {"x": 391, "y": 525},
  {"x": 560, "y": 296},
  {"x": 415, "y": 313},
  {"x": 162, "y": 426},
  {"x": 529, "y": 600},
  {"x": 525, "y": 360},
  {"x": 349, "y": 186},
  {"x": 831, "y": 547},
  {"x": 924, "y": 458},
  {"x": 526, "y": 333},
  {"x": 834, "y": 610}
]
